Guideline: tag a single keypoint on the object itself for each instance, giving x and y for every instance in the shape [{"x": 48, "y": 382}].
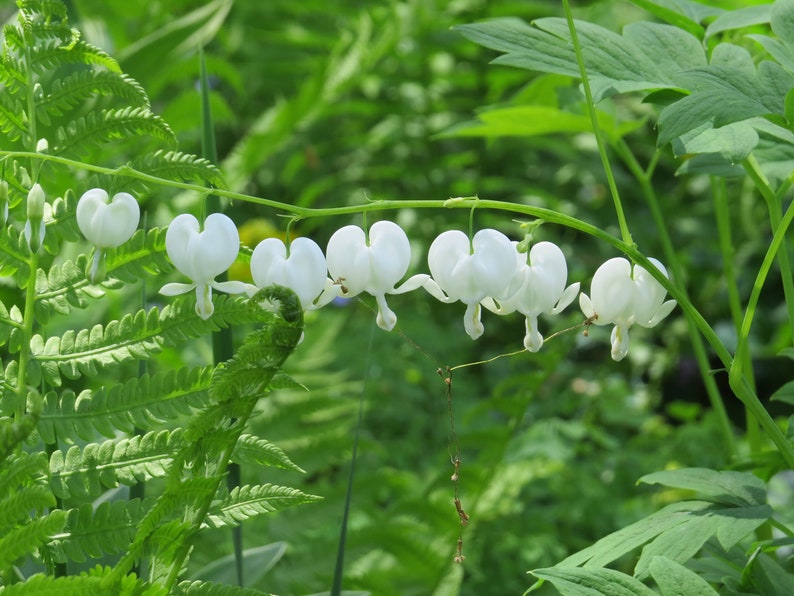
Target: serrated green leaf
[
  {"x": 733, "y": 142},
  {"x": 737, "y": 489},
  {"x": 575, "y": 581},
  {"x": 782, "y": 21},
  {"x": 19, "y": 541},
  {"x": 676, "y": 580},
  {"x": 203, "y": 588}
]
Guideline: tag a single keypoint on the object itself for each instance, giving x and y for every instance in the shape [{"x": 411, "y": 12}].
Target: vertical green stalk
[
  {"x": 613, "y": 189},
  {"x": 222, "y": 340},
  {"x": 775, "y": 207},
  {"x": 722, "y": 214},
  {"x": 643, "y": 177}
]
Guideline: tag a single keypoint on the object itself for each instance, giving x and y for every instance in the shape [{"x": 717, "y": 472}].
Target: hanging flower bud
[
  {"x": 373, "y": 265},
  {"x": 541, "y": 275},
  {"x": 3, "y": 202},
  {"x": 303, "y": 270},
  {"x": 621, "y": 297},
  {"x": 202, "y": 255},
  {"x": 471, "y": 271},
  {"x": 34, "y": 226},
  {"x": 106, "y": 225}
]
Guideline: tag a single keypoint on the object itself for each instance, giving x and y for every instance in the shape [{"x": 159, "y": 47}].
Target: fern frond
[
  {"x": 9, "y": 322},
  {"x": 17, "y": 507},
  {"x": 180, "y": 323},
  {"x": 65, "y": 287},
  {"x": 90, "y": 583},
  {"x": 174, "y": 165},
  {"x": 85, "y": 351},
  {"x": 14, "y": 253},
  {"x": 74, "y": 89},
  {"x": 22, "y": 470},
  {"x": 17, "y": 542},
  {"x": 109, "y": 125},
  {"x": 254, "y": 451},
  {"x": 13, "y": 432},
  {"x": 200, "y": 588},
  {"x": 108, "y": 530},
  {"x": 145, "y": 403},
  {"x": 12, "y": 117},
  {"x": 47, "y": 56},
  {"x": 87, "y": 472},
  {"x": 49, "y": 9},
  {"x": 245, "y": 502},
  {"x": 144, "y": 255}
]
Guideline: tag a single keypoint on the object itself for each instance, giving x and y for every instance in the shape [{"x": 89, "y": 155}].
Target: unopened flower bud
[
  {"x": 34, "y": 227},
  {"x": 42, "y": 146}
]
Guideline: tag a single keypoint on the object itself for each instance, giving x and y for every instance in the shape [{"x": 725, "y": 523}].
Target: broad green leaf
[
  {"x": 676, "y": 580},
  {"x": 781, "y": 52},
  {"x": 684, "y": 14},
  {"x": 785, "y": 393},
  {"x": 737, "y": 19},
  {"x": 674, "y": 50},
  {"x": 770, "y": 578},
  {"x": 738, "y": 489},
  {"x": 782, "y": 20},
  {"x": 625, "y": 540},
  {"x": 733, "y": 141},
  {"x": 683, "y": 542},
  {"x": 256, "y": 563},
  {"x": 575, "y": 581}
]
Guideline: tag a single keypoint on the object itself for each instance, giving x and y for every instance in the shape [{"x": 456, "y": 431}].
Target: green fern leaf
[
  {"x": 200, "y": 588},
  {"x": 47, "y": 56},
  {"x": 49, "y": 9},
  {"x": 245, "y": 502},
  {"x": 21, "y": 470},
  {"x": 14, "y": 253},
  {"x": 17, "y": 507},
  {"x": 13, "y": 433},
  {"x": 8, "y": 322},
  {"x": 89, "y": 532},
  {"x": 91, "y": 583},
  {"x": 65, "y": 287},
  {"x": 12, "y": 117},
  {"x": 109, "y": 125},
  {"x": 74, "y": 89},
  {"x": 142, "y": 403},
  {"x": 85, "y": 351},
  {"x": 87, "y": 472},
  {"x": 22, "y": 540},
  {"x": 254, "y": 451},
  {"x": 144, "y": 255},
  {"x": 173, "y": 165}
]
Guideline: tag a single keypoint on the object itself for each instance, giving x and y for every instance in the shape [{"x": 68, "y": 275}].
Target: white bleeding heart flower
[
  {"x": 303, "y": 270},
  {"x": 471, "y": 271},
  {"x": 621, "y": 295},
  {"x": 202, "y": 255},
  {"x": 106, "y": 224},
  {"x": 372, "y": 264},
  {"x": 541, "y": 276}
]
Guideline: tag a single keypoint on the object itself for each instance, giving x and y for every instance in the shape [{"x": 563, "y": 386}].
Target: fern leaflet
[
  {"x": 245, "y": 502},
  {"x": 87, "y": 472},
  {"x": 252, "y": 450},
  {"x": 143, "y": 403},
  {"x": 21, "y": 540},
  {"x": 200, "y": 588}
]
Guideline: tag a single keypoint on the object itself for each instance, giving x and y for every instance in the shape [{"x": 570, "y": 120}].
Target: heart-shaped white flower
[
  {"x": 541, "y": 276},
  {"x": 373, "y": 265},
  {"x": 304, "y": 270},
  {"x": 622, "y": 295},
  {"x": 202, "y": 255},
  {"x": 471, "y": 271},
  {"x": 106, "y": 224}
]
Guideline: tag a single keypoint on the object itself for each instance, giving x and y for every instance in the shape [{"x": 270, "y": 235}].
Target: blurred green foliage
[{"x": 326, "y": 104}]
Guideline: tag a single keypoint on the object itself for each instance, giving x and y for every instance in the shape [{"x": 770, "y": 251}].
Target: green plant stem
[
  {"x": 644, "y": 177},
  {"x": 774, "y": 205},
  {"x": 722, "y": 215},
  {"x": 745, "y": 394},
  {"x": 602, "y": 151},
  {"x": 27, "y": 333}
]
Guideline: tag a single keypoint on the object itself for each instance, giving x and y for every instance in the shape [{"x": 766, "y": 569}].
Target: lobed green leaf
[{"x": 245, "y": 502}]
